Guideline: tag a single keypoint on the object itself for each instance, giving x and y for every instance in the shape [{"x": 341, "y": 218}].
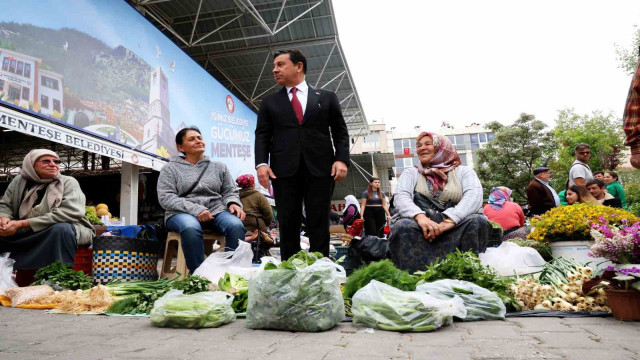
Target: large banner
[{"x": 100, "y": 67}]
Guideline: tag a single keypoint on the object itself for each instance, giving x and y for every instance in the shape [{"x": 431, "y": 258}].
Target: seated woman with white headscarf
[
  {"x": 351, "y": 211},
  {"x": 437, "y": 206},
  {"x": 42, "y": 214}
]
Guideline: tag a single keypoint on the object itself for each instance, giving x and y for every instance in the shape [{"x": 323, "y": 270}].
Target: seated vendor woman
[
  {"x": 438, "y": 207},
  {"x": 197, "y": 193},
  {"x": 42, "y": 214}
]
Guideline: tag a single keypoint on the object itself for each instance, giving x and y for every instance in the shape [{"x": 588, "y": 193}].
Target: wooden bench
[{"x": 174, "y": 248}]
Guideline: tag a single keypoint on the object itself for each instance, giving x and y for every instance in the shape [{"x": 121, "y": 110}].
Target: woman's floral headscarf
[
  {"x": 498, "y": 196},
  {"x": 445, "y": 160}
]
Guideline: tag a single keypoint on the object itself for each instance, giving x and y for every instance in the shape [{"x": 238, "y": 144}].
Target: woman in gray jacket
[
  {"x": 193, "y": 202},
  {"x": 42, "y": 214},
  {"x": 419, "y": 235}
]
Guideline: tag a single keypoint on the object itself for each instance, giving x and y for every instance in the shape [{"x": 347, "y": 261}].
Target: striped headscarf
[
  {"x": 498, "y": 196},
  {"x": 445, "y": 160}
]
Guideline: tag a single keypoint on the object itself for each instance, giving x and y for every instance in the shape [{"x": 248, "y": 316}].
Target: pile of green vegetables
[
  {"x": 194, "y": 311},
  {"x": 237, "y": 286},
  {"x": 301, "y": 294},
  {"x": 468, "y": 267},
  {"x": 61, "y": 276},
  {"x": 92, "y": 215},
  {"x": 481, "y": 304},
  {"x": 382, "y": 306},
  {"x": 138, "y": 297},
  {"x": 383, "y": 271}
]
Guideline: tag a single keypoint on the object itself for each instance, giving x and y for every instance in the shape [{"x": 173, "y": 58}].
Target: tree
[
  {"x": 628, "y": 58},
  {"x": 509, "y": 160},
  {"x": 602, "y": 132}
]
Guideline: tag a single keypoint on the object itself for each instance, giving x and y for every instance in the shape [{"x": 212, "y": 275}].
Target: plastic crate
[{"x": 83, "y": 260}]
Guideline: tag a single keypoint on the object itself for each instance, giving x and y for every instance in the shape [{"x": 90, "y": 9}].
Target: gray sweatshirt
[
  {"x": 215, "y": 191},
  {"x": 471, "y": 202}
]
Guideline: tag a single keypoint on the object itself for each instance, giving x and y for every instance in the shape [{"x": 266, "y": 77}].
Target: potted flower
[
  {"x": 568, "y": 228},
  {"x": 623, "y": 294}
]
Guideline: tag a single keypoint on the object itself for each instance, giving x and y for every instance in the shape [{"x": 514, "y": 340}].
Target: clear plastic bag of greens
[
  {"x": 300, "y": 299},
  {"x": 481, "y": 304},
  {"x": 382, "y": 306},
  {"x": 201, "y": 310}
]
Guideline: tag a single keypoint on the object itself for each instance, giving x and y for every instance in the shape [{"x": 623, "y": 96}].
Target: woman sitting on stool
[
  {"x": 42, "y": 214},
  {"x": 197, "y": 193}
]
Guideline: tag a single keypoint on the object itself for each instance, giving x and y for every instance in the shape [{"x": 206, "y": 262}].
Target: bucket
[
  {"x": 83, "y": 260},
  {"x": 625, "y": 304},
  {"x": 578, "y": 250}
]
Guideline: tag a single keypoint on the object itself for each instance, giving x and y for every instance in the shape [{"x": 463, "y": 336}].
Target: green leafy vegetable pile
[
  {"x": 301, "y": 294},
  {"x": 199, "y": 310},
  {"x": 60, "y": 274},
  {"x": 382, "y": 306},
  {"x": 481, "y": 304},
  {"x": 141, "y": 295},
  {"x": 92, "y": 215},
  {"x": 467, "y": 266},
  {"x": 237, "y": 286},
  {"x": 383, "y": 271},
  {"x": 191, "y": 284}
]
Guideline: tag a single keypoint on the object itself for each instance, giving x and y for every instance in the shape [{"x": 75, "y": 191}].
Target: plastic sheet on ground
[{"x": 558, "y": 314}]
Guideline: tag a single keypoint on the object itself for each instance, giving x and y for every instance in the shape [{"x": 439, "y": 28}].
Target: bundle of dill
[{"x": 383, "y": 271}]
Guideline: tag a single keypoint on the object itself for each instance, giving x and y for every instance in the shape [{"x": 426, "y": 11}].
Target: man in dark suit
[
  {"x": 541, "y": 196},
  {"x": 294, "y": 149}
]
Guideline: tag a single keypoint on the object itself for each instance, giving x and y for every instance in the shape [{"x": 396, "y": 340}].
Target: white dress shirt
[{"x": 301, "y": 94}]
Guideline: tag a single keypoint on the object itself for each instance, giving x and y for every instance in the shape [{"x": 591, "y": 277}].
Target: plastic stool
[{"x": 174, "y": 248}]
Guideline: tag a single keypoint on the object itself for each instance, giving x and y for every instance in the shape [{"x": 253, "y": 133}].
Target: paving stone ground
[{"x": 33, "y": 334}]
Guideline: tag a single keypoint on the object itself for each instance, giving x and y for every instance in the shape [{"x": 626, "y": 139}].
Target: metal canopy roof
[{"x": 234, "y": 41}]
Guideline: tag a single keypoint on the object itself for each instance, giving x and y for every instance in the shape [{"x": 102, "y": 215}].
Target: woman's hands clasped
[{"x": 430, "y": 228}]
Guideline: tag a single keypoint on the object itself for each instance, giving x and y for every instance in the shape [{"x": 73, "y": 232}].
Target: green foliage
[
  {"x": 601, "y": 131},
  {"x": 60, "y": 274},
  {"x": 191, "y": 284},
  {"x": 468, "y": 267},
  {"x": 632, "y": 191},
  {"x": 628, "y": 58},
  {"x": 509, "y": 160},
  {"x": 239, "y": 288},
  {"x": 298, "y": 261},
  {"x": 92, "y": 215},
  {"x": 383, "y": 271},
  {"x": 7, "y": 45}
]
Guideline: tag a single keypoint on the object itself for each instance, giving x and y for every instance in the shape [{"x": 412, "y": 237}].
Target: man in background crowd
[
  {"x": 541, "y": 196},
  {"x": 596, "y": 188},
  {"x": 580, "y": 172}
]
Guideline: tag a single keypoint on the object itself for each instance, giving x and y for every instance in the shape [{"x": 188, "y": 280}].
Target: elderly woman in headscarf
[
  {"x": 506, "y": 213},
  {"x": 351, "y": 211},
  {"x": 42, "y": 214},
  {"x": 253, "y": 202},
  {"x": 437, "y": 207}
]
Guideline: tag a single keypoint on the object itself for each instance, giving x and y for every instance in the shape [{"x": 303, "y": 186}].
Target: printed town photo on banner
[{"x": 99, "y": 66}]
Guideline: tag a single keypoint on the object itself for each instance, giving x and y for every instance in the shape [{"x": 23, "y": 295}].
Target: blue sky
[{"x": 193, "y": 93}]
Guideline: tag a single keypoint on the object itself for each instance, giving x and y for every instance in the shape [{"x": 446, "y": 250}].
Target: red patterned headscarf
[
  {"x": 445, "y": 160},
  {"x": 245, "y": 181}
]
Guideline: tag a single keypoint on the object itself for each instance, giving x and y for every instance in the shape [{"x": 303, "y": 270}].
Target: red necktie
[{"x": 297, "y": 107}]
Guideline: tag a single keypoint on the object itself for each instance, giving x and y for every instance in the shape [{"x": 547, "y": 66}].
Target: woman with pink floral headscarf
[{"x": 437, "y": 207}]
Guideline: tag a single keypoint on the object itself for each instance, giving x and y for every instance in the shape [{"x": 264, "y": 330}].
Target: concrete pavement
[{"x": 34, "y": 334}]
